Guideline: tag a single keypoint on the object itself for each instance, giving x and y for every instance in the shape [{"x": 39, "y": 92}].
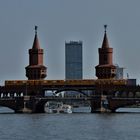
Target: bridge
[
  {"x": 105, "y": 94},
  {"x": 102, "y": 95}
]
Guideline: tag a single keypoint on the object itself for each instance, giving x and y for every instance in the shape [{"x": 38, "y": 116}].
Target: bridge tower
[
  {"x": 36, "y": 70},
  {"x": 105, "y": 69}
]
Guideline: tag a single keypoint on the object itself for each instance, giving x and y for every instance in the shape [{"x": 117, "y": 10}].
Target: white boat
[{"x": 57, "y": 107}]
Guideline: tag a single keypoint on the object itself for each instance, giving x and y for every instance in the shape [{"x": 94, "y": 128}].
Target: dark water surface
[{"x": 76, "y": 126}]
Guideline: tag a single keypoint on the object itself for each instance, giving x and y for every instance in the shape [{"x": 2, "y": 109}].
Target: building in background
[
  {"x": 120, "y": 75},
  {"x": 73, "y": 60},
  {"x": 73, "y": 63},
  {"x": 119, "y": 72}
]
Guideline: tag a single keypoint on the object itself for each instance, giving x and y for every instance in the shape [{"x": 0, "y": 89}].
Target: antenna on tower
[
  {"x": 105, "y": 27},
  {"x": 36, "y": 29}
]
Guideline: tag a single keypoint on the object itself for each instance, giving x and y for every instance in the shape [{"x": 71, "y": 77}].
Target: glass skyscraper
[{"x": 73, "y": 60}]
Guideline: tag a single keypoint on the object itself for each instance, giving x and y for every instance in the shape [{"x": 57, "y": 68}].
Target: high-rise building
[
  {"x": 119, "y": 72},
  {"x": 35, "y": 70},
  {"x": 73, "y": 60},
  {"x": 120, "y": 75}
]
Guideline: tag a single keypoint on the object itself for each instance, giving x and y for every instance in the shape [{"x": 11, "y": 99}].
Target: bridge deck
[{"x": 84, "y": 82}]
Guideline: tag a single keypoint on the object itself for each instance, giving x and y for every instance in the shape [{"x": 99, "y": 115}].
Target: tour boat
[{"x": 57, "y": 107}]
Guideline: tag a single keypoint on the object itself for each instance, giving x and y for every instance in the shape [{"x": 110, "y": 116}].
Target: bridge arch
[
  {"x": 116, "y": 104},
  {"x": 74, "y": 101},
  {"x": 72, "y": 90},
  {"x": 5, "y": 109},
  {"x": 8, "y": 105}
]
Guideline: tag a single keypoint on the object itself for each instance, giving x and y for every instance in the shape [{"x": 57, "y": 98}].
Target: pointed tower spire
[
  {"x": 36, "y": 69},
  {"x": 105, "y": 43},
  {"x": 105, "y": 69},
  {"x": 36, "y": 41}
]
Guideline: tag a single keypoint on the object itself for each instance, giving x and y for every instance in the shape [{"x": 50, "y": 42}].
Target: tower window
[{"x": 105, "y": 58}]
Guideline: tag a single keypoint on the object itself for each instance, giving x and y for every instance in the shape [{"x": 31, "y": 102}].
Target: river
[{"x": 124, "y": 125}]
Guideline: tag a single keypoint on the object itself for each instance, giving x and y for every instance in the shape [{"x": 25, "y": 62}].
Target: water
[{"x": 76, "y": 126}]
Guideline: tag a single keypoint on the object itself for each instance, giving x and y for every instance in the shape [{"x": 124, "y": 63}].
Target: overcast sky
[{"x": 64, "y": 20}]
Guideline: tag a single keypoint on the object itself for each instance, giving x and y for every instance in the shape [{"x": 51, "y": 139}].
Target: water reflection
[
  {"x": 128, "y": 110},
  {"x": 6, "y": 110},
  {"x": 74, "y": 126}
]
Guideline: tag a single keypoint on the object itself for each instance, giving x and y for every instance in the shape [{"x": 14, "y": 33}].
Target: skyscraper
[
  {"x": 119, "y": 72},
  {"x": 73, "y": 60}
]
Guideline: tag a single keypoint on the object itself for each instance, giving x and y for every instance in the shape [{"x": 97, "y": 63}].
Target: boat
[{"x": 57, "y": 107}]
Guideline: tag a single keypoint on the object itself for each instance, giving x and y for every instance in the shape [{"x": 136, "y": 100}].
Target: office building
[
  {"x": 119, "y": 72},
  {"x": 73, "y": 60}
]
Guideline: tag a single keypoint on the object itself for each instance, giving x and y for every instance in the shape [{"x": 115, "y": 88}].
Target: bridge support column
[
  {"x": 104, "y": 104},
  {"x": 95, "y": 104},
  {"x": 27, "y": 104},
  {"x": 27, "y": 108},
  {"x": 100, "y": 105}
]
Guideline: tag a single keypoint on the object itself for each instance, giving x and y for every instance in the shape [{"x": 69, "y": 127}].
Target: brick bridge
[{"x": 102, "y": 96}]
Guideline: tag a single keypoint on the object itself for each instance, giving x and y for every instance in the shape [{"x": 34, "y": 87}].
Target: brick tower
[
  {"x": 105, "y": 69},
  {"x": 36, "y": 70}
]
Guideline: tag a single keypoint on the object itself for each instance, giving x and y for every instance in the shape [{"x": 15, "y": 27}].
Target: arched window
[{"x": 105, "y": 58}]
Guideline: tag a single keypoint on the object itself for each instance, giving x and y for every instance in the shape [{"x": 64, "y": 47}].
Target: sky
[{"x": 65, "y": 20}]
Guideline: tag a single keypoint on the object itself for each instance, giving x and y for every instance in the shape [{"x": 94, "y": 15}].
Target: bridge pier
[
  {"x": 105, "y": 103},
  {"x": 100, "y": 105},
  {"x": 32, "y": 105},
  {"x": 26, "y": 107},
  {"x": 95, "y": 105},
  {"x": 25, "y": 104}
]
